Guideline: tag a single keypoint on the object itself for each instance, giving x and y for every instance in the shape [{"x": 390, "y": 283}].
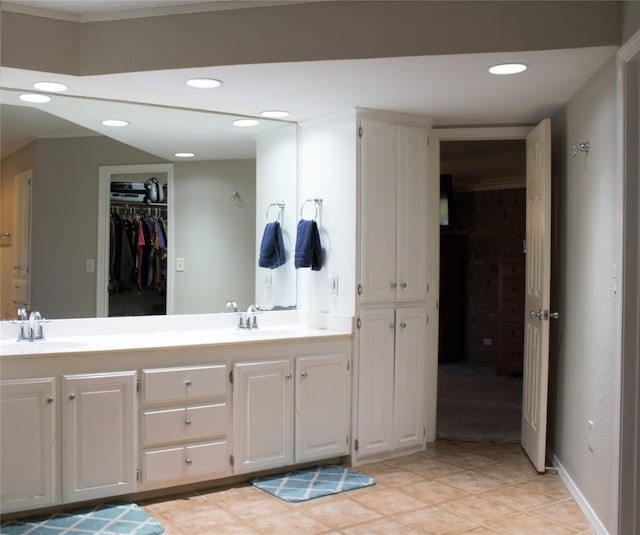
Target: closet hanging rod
[{"x": 139, "y": 204}]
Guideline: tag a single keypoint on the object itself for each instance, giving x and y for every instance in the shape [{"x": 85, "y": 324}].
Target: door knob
[{"x": 533, "y": 314}]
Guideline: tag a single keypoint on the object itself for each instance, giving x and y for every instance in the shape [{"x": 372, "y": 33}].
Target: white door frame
[
  {"x": 437, "y": 136},
  {"x": 626, "y": 459},
  {"x": 102, "y": 254}
]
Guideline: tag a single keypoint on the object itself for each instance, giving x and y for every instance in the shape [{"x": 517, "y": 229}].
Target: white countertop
[{"x": 93, "y": 335}]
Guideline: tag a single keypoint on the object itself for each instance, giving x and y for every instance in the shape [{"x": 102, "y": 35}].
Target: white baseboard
[{"x": 581, "y": 501}]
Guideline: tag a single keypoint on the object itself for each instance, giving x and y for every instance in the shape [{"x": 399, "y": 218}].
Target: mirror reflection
[{"x": 215, "y": 206}]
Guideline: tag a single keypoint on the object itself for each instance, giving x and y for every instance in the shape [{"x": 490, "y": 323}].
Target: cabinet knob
[
  {"x": 403, "y": 284},
  {"x": 188, "y": 382},
  {"x": 303, "y": 374},
  {"x": 288, "y": 376},
  {"x": 188, "y": 461},
  {"x": 392, "y": 325},
  {"x": 187, "y": 421},
  {"x": 72, "y": 397},
  {"x": 393, "y": 285},
  {"x": 49, "y": 399},
  {"x": 403, "y": 324}
]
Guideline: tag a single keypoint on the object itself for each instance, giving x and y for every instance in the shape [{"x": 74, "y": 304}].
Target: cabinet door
[
  {"x": 27, "y": 452},
  {"x": 99, "y": 445},
  {"x": 375, "y": 381},
  {"x": 262, "y": 415},
  {"x": 378, "y": 211},
  {"x": 322, "y": 406},
  {"x": 411, "y": 214},
  {"x": 410, "y": 361}
]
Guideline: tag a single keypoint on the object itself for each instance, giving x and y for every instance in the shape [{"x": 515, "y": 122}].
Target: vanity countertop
[{"x": 148, "y": 333}]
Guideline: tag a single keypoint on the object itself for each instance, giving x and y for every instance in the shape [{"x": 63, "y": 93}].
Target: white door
[
  {"x": 99, "y": 439},
  {"x": 262, "y": 415},
  {"x": 538, "y": 277}
]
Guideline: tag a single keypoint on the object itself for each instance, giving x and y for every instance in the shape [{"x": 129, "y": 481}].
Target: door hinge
[
  {"x": 524, "y": 246},
  {"x": 138, "y": 474},
  {"x": 356, "y": 445},
  {"x": 231, "y": 460},
  {"x": 360, "y": 132},
  {"x": 358, "y": 323},
  {"x": 428, "y": 141},
  {"x": 231, "y": 376}
]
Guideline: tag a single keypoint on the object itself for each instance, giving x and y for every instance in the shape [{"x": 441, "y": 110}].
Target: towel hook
[
  {"x": 580, "y": 147},
  {"x": 317, "y": 202},
  {"x": 280, "y": 205}
]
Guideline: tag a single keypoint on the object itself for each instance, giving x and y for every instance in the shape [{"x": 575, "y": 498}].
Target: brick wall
[{"x": 493, "y": 223}]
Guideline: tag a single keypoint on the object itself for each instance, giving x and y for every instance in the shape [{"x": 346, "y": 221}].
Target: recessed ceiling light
[
  {"x": 35, "y": 97},
  {"x": 508, "y": 68},
  {"x": 274, "y": 114},
  {"x": 245, "y": 122},
  {"x": 114, "y": 122},
  {"x": 204, "y": 83},
  {"x": 184, "y": 154},
  {"x": 53, "y": 87}
]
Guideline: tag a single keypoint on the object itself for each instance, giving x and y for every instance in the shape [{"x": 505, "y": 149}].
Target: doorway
[{"x": 481, "y": 338}]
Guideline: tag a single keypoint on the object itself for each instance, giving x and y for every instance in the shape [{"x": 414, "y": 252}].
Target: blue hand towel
[
  {"x": 308, "y": 248},
  {"x": 272, "y": 254}
]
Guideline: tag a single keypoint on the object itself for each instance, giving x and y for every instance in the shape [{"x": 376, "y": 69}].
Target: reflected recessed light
[
  {"x": 54, "y": 87},
  {"x": 274, "y": 114},
  {"x": 204, "y": 83},
  {"x": 184, "y": 154},
  {"x": 35, "y": 97},
  {"x": 114, "y": 122},
  {"x": 245, "y": 122},
  {"x": 508, "y": 68}
]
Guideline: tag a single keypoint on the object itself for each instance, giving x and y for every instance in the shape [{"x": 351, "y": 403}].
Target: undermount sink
[{"x": 39, "y": 346}]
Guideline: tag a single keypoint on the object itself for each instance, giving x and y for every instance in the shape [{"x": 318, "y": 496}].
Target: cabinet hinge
[
  {"x": 427, "y": 287},
  {"x": 428, "y": 141},
  {"x": 524, "y": 246},
  {"x": 347, "y": 440},
  {"x": 427, "y": 319},
  {"x": 138, "y": 474},
  {"x": 358, "y": 323},
  {"x": 231, "y": 460},
  {"x": 359, "y": 289},
  {"x": 348, "y": 365},
  {"x": 356, "y": 445},
  {"x": 231, "y": 376},
  {"x": 424, "y": 431},
  {"x": 138, "y": 386},
  {"x": 360, "y": 132}
]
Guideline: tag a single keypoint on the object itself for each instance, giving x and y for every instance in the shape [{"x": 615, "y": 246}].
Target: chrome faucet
[
  {"x": 251, "y": 321},
  {"x": 233, "y": 305},
  {"x": 30, "y": 329}
]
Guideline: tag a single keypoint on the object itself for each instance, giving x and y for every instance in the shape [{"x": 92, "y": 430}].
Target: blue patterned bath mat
[
  {"x": 104, "y": 519},
  {"x": 302, "y": 485}
]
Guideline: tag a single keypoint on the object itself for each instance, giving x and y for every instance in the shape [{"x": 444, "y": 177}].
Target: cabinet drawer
[
  {"x": 183, "y": 384},
  {"x": 184, "y": 423},
  {"x": 210, "y": 459},
  {"x": 512, "y": 311}
]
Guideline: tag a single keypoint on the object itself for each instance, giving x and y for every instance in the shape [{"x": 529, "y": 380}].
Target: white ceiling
[{"x": 450, "y": 89}]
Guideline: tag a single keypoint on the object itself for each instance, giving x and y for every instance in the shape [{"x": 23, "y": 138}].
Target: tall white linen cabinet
[{"x": 393, "y": 285}]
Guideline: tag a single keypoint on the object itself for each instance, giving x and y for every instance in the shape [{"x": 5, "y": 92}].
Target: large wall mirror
[{"x": 217, "y": 202}]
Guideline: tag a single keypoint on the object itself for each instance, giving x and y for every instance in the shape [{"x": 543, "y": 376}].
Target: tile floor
[{"x": 451, "y": 487}]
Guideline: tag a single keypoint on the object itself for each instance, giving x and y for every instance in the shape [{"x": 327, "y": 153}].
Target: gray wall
[
  {"x": 630, "y": 18},
  {"x": 583, "y": 356}
]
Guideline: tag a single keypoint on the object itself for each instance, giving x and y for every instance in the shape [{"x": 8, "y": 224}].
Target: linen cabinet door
[
  {"x": 99, "y": 444},
  {"x": 262, "y": 415},
  {"x": 410, "y": 362},
  {"x": 27, "y": 448},
  {"x": 378, "y": 212},
  {"x": 411, "y": 214},
  {"x": 322, "y": 406},
  {"x": 375, "y": 381}
]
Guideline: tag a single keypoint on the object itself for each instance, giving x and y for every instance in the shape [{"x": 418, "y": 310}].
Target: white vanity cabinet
[
  {"x": 290, "y": 409},
  {"x": 98, "y": 435},
  {"x": 183, "y": 425},
  {"x": 27, "y": 448}
]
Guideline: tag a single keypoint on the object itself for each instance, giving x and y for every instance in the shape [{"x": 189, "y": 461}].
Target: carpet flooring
[{"x": 474, "y": 405}]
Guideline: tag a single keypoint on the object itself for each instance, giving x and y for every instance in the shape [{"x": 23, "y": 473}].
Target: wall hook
[
  {"x": 235, "y": 196},
  {"x": 580, "y": 147}
]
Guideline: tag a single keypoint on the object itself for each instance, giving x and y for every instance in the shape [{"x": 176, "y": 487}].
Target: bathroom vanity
[{"x": 110, "y": 407}]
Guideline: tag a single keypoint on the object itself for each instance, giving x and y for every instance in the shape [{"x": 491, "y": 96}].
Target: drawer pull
[
  {"x": 188, "y": 461},
  {"x": 188, "y": 382},
  {"x": 49, "y": 400},
  {"x": 303, "y": 374},
  {"x": 72, "y": 397},
  {"x": 187, "y": 421}
]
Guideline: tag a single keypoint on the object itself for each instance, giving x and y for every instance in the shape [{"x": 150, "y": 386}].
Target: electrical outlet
[
  {"x": 179, "y": 264},
  {"x": 487, "y": 342},
  {"x": 333, "y": 285},
  {"x": 91, "y": 265},
  {"x": 590, "y": 435}
]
